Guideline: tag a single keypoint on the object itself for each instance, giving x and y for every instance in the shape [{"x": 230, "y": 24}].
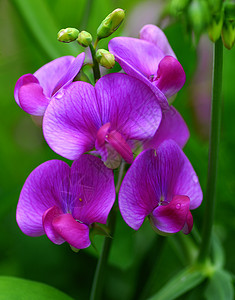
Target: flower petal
[
  {"x": 49, "y": 74},
  {"x": 137, "y": 195},
  {"x": 92, "y": 189},
  {"x": 172, "y": 127},
  {"x": 129, "y": 105},
  {"x": 47, "y": 220},
  {"x": 139, "y": 59},
  {"x": 188, "y": 226},
  {"x": 23, "y": 80},
  {"x": 171, "y": 218},
  {"x": 72, "y": 71},
  {"x": 73, "y": 232},
  {"x": 71, "y": 123},
  {"x": 171, "y": 76},
  {"x": 45, "y": 187},
  {"x": 156, "y": 36},
  {"x": 32, "y": 100}
]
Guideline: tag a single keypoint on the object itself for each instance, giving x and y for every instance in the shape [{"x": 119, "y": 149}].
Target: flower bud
[
  {"x": 215, "y": 27},
  {"x": 215, "y": 6},
  {"x": 110, "y": 23},
  {"x": 84, "y": 38},
  {"x": 178, "y": 6},
  {"x": 105, "y": 58},
  {"x": 228, "y": 34},
  {"x": 67, "y": 35},
  {"x": 199, "y": 15},
  {"x": 229, "y": 11}
]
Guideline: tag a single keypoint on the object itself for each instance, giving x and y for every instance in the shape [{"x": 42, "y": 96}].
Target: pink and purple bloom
[
  {"x": 33, "y": 92},
  {"x": 162, "y": 185},
  {"x": 152, "y": 60},
  {"x": 63, "y": 202},
  {"x": 109, "y": 117}
]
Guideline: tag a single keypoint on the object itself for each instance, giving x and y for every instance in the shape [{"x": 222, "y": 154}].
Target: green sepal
[
  {"x": 105, "y": 58},
  {"x": 84, "y": 38},
  {"x": 67, "y": 35},
  {"x": 228, "y": 34},
  {"x": 110, "y": 23},
  {"x": 215, "y": 27}
]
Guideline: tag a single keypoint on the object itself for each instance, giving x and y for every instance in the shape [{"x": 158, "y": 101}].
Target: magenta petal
[
  {"x": 171, "y": 218},
  {"x": 100, "y": 141},
  {"x": 73, "y": 232},
  {"x": 72, "y": 71},
  {"x": 93, "y": 190},
  {"x": 171, "y": 76},
  {"x": 128, "y": 105},
  {"x": 44, "y": 188},
  {"x": 23, "y": 80},
  {"x": 49, "y": 74},
  {"x": 71, "y": 123},
  {"x": 172, "y": 127},
  {"x": 139, "y": 59},
  {"x": 188, "y": 226},
  {"x": 137, "y": 197},
  {"x": 32, "y": 100},
  {"x": 156, "y": 36},
  {"x": 47, "y": 220},
  {"x": 120, "y": 145}
]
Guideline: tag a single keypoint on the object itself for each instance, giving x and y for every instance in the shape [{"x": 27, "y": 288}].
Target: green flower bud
[
  {"x": 67, "y": 35},
  {"x": 215, "y": 6},
  {"x": 110, "y": 23},
  {"x": 229, "y": 11},
  {"x": 199, "y": 15},
  {"x": 105, "y": 58},
  {"x": 228, "y": 34},
  {"x": 215, "y": 27},
  {"x": 84, "y": 38},
  {"x": 178, "y": 6}
]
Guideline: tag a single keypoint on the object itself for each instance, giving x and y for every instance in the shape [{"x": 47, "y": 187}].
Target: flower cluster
[{"x": 114, "y": 120}]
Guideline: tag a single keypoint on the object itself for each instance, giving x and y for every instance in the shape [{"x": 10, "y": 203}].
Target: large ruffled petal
[
  {"x": 157, "y": 176},
  {"x": 45, "y": 187},
  {"x": 73, "y": 232},
  {"x": 49, "y": 74},
  {"x": 172, "y": 127},
  {"x": 72, "y": 71},
  {"x": 32, "y": 99},
  {"x": 92, "y": 189},
  {"x": 172, "y": 217},
  {"x": 139, "y": 59},
  {"x": 155, "y": 35},
  {"x": 23, "y": 80},
  {"x": 129, "y": 105},
  {"x": 71, "y": 123}
]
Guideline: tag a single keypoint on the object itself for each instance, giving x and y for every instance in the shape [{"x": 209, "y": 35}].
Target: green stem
[
  {"x": 98, "y": 282},
  {"x": 216, "y": 107},
  {"x": 96, "y": 69}
]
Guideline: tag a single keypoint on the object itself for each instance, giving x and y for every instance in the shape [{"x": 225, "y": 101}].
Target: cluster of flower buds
[
  {"x": 108, "y": 26},
  {"x": 215, "y": 16}
]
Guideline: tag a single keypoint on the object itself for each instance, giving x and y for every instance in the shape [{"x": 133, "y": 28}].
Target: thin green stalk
[
  {"x": 216, "y": 107},
  {"x": 98, "y": 282},
  {"x": 96, "y": 69}
]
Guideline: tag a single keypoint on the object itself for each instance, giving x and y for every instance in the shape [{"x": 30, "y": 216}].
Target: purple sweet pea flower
[
  {"x": 62, "y": 202},
  {"x": 151, "y": 60},
  {"x": 33, "y": 92},
  {"x": 110, "y": 117},
  {"x": 162, "y": 185}
]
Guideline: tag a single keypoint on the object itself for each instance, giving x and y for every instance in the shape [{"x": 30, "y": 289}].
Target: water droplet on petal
[
  {"x": 59, "y": 95},
  {"x": 178, "y": 205},
  {"x": 195, "y": 179}
]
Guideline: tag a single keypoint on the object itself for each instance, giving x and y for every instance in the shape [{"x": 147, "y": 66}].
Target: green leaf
[
  {"x": 40, "y": 23},
  {"x": 13, "y": 288},
  {"x": 220, "y": 286},
  {"x": 180, "y": 284}
]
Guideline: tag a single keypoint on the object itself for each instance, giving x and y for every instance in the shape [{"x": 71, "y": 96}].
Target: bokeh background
[{"x": 28, "y": 30}]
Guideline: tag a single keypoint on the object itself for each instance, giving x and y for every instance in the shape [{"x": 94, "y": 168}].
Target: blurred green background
[{"x": 28, "y": 40}]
